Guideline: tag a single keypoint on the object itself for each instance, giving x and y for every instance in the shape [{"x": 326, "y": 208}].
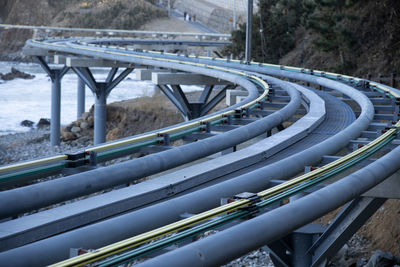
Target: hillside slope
[
  {"x": 348, "y": 36},
  {"x": 375, "y": 33},
  {"x": 112, "y": 14}
]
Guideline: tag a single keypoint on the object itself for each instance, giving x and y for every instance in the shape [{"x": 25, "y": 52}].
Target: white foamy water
[{"x": 31, "y": 99}]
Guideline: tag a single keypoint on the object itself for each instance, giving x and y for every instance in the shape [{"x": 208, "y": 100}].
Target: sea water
[{"x": 31, "y": 99}]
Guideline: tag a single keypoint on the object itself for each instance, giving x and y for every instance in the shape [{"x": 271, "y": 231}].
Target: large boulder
[
  {"x": 382, "y": 259},
  {"x": 43, "y": 123},
  {"x": 75, "y": 129},
  {"x": 27, "y": 123},
  {"x": 15, "y": 74},
  {"x": 67, "y": 136}
]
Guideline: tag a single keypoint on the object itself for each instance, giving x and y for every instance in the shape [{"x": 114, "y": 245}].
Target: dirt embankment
[
  {"x": 111, "y": 14},
  {"x": 127, "y": 118}
]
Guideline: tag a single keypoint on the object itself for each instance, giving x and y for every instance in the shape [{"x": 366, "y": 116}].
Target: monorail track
[{"x": 252, "y": 176}]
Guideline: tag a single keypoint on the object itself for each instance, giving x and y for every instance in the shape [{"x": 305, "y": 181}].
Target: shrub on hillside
[
  {"x": 274, "y": 29},
  {"x": 116, "y": 15}
]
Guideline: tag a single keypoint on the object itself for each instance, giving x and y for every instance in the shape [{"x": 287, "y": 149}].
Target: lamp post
[{"x": 249, "y": 30}]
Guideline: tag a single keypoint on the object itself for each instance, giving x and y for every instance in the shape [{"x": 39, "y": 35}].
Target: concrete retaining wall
[{"x": 213, "y": 16}]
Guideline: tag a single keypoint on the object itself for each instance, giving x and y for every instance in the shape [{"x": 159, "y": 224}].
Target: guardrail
[{"x": 111, "y": 32}]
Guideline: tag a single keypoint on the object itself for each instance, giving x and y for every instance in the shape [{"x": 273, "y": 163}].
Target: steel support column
[
  {"x": 81, "y": 98},
  {"x": 55, "y": 121},
  {"x": 291, "y": 250},
  {"x": 101, "y": 91},
  {"x": 207, "y": 107},
  {"x": 100, "y": 114},
  {"x": 193, "y": 109},
  {"x": 346, "y": 224},
  {"x": 179, "y": 105}
]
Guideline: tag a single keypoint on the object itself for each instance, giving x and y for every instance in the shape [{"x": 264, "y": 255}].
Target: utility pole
[
  {"x": 234, "y": 14},
  {"x": 169, "y": 8},
  {"x": 249, "y": 30}
]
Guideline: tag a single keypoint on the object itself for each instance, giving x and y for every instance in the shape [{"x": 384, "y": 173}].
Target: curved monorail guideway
[{"x": 317, "y": 139}]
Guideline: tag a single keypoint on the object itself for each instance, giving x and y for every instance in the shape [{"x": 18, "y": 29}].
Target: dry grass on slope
[{"x": 108, "y": 14}]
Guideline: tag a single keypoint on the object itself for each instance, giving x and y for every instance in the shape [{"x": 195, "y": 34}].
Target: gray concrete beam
[
  {"x": 59, "y": 59},
  {"x": 95, "y": 62},
  {"x": 145, "y": 74},
  {"x": 34, "y": 51},
  {"x": 231, "y": 96},
  {"x": 167, "y": 47},
  {"x": 185, "y": 79}
]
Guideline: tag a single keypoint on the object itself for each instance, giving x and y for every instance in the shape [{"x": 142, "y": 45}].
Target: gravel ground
[{"x": 33, "y": 144}]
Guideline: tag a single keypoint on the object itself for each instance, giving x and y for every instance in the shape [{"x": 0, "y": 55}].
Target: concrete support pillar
[
  {"x": 101, "y": 91},
  {"x": 81, "y": 98},
  {"x": 55, "y": 123},
  {"x": 100, "y": 115}
]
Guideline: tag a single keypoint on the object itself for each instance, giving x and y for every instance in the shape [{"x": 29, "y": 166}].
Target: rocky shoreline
[
  {"x": 15, "y": 74},
  {"x": 32, "y": 144}
]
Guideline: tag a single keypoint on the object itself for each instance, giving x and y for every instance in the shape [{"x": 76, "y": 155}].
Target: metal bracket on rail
[
  {"x": 261, "y": 105},
  {"x": 77, "y": 160},
  {"x": 166, "y": 139},
  {"x": 247, "y": 112},
  {"x": 228, "y": 119},
  {"x": 207, "y": 129},
  {"x": 308, "y": 169},
  {"x": 252, "y": 208},
  {"x": 238, "y": 114},
  {"x": 74, "y": 252},
  {"x": 363, "y": 84},
  {"x": 390, "y": 127},
  {"x": 93, "y": 158}
]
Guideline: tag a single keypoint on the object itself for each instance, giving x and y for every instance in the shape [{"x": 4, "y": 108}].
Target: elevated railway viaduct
[{"x": 288, "y": 133}]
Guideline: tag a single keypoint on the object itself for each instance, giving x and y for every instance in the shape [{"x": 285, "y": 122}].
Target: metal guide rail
[
  {"x": 335, "y": 76},
  {"x": 58, "y": 162},
  {"x": 112, "y": 32},
  {"x": 279, "y": 192},
  {"x": 62, "y": 161},
  {"x": 262, "y": 199}
]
